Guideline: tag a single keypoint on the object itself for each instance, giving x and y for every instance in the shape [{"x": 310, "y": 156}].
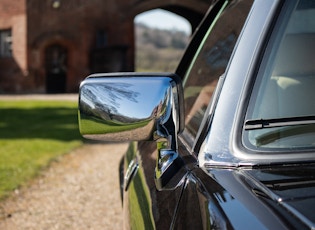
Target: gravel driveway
[{"x": 79, "y": 191}]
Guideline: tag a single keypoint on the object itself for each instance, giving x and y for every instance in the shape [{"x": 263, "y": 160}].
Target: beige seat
[{"x": 291, "y": 89}]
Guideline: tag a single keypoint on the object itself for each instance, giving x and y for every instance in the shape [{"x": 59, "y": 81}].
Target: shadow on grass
[{"x": 59, "y": 123}]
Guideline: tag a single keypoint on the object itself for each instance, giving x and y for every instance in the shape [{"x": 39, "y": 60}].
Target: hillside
[{"x": 158, "y": 50}]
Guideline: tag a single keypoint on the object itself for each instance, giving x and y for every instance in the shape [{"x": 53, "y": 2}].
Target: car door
[{"x": 204, "y": 62}]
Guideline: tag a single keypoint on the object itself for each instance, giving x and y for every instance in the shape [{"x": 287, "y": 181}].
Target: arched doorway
[
  {"x": 56, "y": 68},
  {"x": 160, "y": 40}
]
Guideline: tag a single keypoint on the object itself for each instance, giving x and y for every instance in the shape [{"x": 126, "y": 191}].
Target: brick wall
[
  {"x": 95, "y": 36},
  {"x": 14, "y": 69}
]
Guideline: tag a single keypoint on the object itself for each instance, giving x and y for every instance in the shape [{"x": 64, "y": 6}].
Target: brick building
[{"x": 50, "y": 46}]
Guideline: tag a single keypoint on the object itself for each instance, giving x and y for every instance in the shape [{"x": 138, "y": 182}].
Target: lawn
[
  {"x": 98, "y": 126},
  {"x": 33, "y": 134}
]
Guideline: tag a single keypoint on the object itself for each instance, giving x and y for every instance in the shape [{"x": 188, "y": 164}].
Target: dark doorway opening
[{"x": 56, "y": 68}]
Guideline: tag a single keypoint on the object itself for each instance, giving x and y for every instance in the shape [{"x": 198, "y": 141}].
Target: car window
[
  {"x": 282, "y": 107},
  {"x": 211, "y": 60}
]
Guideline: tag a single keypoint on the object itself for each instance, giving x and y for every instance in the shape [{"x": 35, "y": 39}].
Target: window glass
[
  {"x": 5, "y": 43},
  {"x": 211, "y": 61},
  {"x": 282, "y": 104}
]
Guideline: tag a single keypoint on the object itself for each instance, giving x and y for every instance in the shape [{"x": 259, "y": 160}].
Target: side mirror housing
[
  {"x": 130, "y": 106},
  {"x": 135, "y": 107}
]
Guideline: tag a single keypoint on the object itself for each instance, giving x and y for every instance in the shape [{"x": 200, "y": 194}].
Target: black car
[{"x": 228, "y": 141}]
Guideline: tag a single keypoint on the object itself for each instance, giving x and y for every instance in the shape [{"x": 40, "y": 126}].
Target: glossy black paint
[
  {"x": 145, "y": 207},
  {"x": 272, "y": 198}
]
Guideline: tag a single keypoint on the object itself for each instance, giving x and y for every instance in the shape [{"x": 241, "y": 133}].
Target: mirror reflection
[{"x": 110, "y": 107}]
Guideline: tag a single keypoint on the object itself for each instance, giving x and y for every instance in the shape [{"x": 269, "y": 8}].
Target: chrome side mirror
[
  {"x": 129, "y": 106},
  {"x": 135, "y": 107}
]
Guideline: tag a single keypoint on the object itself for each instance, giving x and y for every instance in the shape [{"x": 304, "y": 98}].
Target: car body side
[
  {"x": 220, "y": 182},
  {"x": 166, "y": 208},
  {"x": 217, "y": 198}
]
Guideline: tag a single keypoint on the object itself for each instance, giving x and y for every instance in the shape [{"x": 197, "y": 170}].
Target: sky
[{"x": 162, "y": 19}]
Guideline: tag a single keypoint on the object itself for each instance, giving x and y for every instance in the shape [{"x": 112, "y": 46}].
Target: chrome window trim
[{"x": 214, "y": 150}]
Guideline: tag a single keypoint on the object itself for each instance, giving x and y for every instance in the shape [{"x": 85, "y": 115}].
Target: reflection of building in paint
[{"x": 51, "y": 45}]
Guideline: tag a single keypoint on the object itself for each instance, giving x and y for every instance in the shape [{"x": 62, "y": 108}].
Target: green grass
[
  {"x": 32, "y": 134},
  {"x": 97, "y": 126}
]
